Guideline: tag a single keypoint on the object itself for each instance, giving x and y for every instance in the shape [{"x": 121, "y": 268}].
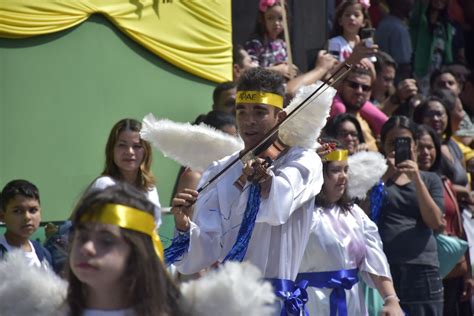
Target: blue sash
[
  {"x": 339, "y": 281},
  {"x": 180, "y": 244},
  {"x": 239, "y": 249},
  {"x": 294, "y": 296}
]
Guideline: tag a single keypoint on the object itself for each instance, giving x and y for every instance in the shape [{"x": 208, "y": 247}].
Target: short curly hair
[{"x": 261, "y": 79}]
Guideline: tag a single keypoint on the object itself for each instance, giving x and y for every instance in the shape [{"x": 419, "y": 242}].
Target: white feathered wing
[
  {"x": 29, "y": 291},
  {"x": 235, "y": 289},
  {"x": 365, "y": 170},
  {"x": 304, "y": 128},
  {"x": 194, "y": 146}
]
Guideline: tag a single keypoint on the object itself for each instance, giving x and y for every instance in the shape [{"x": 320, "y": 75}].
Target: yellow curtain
[{"x": 195, "y": 35}]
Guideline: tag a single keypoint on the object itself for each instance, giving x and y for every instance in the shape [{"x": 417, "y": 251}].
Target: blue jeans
[{"x": 419, "y": 288}]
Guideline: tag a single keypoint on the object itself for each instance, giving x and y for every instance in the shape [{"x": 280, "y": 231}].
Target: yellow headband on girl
[
  {"x": 259, "y": 97},
  {"x": 129, "y": 218},
  {"x": 337, "y": 155}
]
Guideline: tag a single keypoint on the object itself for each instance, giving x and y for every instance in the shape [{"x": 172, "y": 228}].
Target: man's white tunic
[{"x": 283, "y": 221}]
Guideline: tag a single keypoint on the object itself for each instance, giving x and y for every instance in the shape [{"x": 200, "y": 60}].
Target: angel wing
[
  {"x": 304, "y": 128},
  {"x": 29, "y": 290},
  {"x": 365, "y": 170},
  {"x": 194, "y": 146},
  {"x": 234, "y": 289}
]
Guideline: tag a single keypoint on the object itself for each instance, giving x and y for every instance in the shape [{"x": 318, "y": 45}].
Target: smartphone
[
  {"x": 402, "y": 149},
  {"x": 367, "y": 36},
  {"x": 367, "y": 33}
]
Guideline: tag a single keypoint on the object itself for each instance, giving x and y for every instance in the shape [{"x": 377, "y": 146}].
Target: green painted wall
[{"x": 60, "y": 94}]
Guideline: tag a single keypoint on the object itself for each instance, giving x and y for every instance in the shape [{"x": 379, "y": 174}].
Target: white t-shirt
[
  {"x": 152, "y": 195},
  {"x": 30, "y": 256},
  {"x": 340, "y": 47}
]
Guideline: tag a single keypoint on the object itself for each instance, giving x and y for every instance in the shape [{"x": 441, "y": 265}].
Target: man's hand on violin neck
[
  {"x": 182, "y": 207},
  {"x": 256, "y": 170}
]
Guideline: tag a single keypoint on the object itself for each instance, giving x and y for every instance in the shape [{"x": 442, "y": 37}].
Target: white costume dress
[
  {"x": 105, "y": 181},
  {"x": 283, "y": 221},
  {"x": 343, "y": 241}
]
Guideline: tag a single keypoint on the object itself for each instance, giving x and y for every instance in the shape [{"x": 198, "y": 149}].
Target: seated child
[{"x": 21, "y": 212}]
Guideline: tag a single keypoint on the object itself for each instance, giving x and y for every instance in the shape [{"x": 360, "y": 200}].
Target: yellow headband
[
  {"x": 128, "y": 218},
  {"x": 259, "y": 97},
  {"x": 337, "y": 155}
]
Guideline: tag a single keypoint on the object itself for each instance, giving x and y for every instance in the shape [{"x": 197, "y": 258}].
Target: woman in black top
[{"x": 411, "y": 209}]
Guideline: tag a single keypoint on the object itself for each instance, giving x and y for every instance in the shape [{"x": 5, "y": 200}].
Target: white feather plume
[
  {"x": 194, "y": 146},
  {"x": 29, "y": 291},
  {"x": 234, "y": 289},
  {"x": 365, "y": 170},
  {"x": 304, "y": 128}
]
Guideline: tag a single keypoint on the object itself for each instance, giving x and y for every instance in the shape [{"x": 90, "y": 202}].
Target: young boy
[{"x": 21, "y": 212}]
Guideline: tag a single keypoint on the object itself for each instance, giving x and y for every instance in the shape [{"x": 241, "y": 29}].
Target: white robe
[
  {"x": 283, "y": 221},
  {"x": 343, "y": 241}
]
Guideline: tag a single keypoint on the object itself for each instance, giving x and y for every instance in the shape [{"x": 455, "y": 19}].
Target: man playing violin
[{"x": 261, "y": 209}]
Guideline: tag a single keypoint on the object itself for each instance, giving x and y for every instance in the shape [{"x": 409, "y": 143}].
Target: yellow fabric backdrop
[{"x": 195, "y": 35}]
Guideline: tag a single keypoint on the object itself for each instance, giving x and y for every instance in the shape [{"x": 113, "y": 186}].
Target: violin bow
[{"x": 265, "y": 141}]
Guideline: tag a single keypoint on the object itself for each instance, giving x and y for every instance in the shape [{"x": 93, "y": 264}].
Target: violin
[{"x": 255, "y": 170}]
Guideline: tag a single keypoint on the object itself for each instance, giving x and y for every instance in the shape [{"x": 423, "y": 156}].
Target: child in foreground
[{"x": 114, "y": 258}]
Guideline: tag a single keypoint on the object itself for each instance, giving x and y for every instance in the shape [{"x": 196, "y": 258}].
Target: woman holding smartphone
[{"x": 411, "y": 209}]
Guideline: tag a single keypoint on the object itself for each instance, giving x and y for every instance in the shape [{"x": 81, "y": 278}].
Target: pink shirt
[{"x": 369, "y": 112}]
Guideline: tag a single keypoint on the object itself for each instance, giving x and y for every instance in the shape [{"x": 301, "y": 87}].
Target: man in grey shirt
[{"x": 393, "y": 37}]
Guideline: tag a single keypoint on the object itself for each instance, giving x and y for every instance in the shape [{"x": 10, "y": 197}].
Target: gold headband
[
  {"x": 337, "y": 155},
  {"x": 259, "y": 97},
  {"x": 128, "y": 218}
]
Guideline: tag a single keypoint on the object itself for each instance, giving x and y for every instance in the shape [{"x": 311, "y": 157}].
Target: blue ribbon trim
[
  {"x": 377, "y": 197},
  {"x": 179, "y": 246},
  {"x": 294, "y": 296},
  {"x": 239, "y": 249},
  {"x": 339, "y": 281}
]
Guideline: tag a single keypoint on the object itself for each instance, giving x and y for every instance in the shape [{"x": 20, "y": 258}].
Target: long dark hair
[
  {"x": 396, "y": 122},
  {"x": 345, "y": 203},
  {"x": 150, "y": 289},
  {"x": 337, "y": 28},
  {"x": 332, "y": 128},
  {"x": 261, "y": 29},
  {"x": 420, "y": 112},
  {"x": 422, "y": 130},
  {"x": 145, "y": 179}
]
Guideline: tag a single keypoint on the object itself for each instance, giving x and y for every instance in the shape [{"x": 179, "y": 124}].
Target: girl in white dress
[
  {"x": 344, "y": 245},
  {"x": 128, "y": 158}
]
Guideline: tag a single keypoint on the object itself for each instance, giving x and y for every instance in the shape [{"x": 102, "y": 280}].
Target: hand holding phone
[
  {"x": 402, "y": 149},
  {"x": 367, "y": 36}
]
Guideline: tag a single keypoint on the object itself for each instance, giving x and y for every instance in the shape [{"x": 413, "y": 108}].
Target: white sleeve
[
  {"x": 374, "y": 261},
  {"x": 154, "y": 198},
  {"x": 205, "y": 233},
  {"x": 293, "y": 184},
  {"x": 101, "y": 183}
]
